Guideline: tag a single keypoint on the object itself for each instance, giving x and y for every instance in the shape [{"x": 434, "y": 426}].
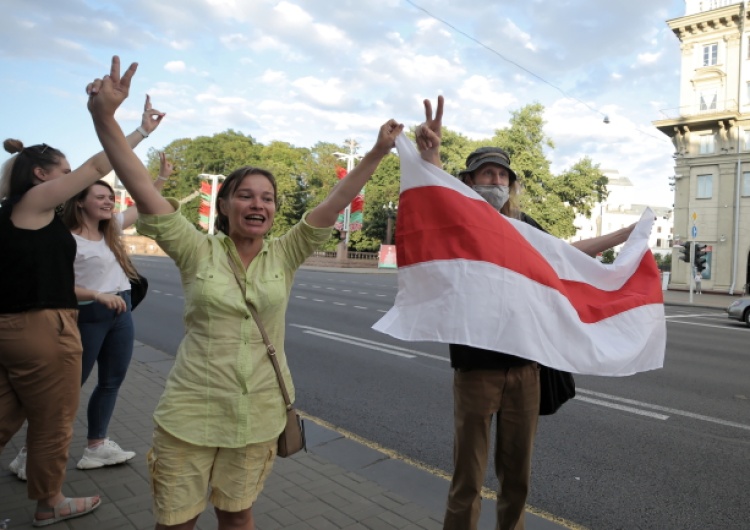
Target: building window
[
  {"x": 708, "y": 100},
  {"x": 658, "y": 243},
  {"x": 705, "y": 187},
  {"x": 710, "y": 52},
  {"x": 746, "y": 184},
  {"x": 658, "y": 229},
  {"x": 707, "y": 144}
]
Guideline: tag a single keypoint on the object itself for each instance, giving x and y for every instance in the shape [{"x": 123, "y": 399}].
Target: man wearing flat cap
[{"x": 490, "y": 383}]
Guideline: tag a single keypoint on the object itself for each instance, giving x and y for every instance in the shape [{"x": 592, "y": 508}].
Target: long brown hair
[{"x": 72, "y": 216}]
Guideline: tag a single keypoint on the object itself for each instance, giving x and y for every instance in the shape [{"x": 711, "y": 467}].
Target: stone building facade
[{"x": 710, "y": 131}]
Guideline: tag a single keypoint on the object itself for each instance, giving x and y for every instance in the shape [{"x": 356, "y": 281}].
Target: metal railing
[
  {"x": 699, "y": 6},
  {"x": 696, "y": 110},
  {"x": 350, "y": 255}
]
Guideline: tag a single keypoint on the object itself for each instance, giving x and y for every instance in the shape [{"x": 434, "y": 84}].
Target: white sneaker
[
  {"x": 18, "y": 466},
  {"x": 108, "y": 453}
]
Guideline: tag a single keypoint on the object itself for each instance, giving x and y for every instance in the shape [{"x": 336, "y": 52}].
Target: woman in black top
[{"x": 40, "y": 346}]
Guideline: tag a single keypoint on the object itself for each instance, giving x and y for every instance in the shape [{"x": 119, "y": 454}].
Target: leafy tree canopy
[{"x": 305, "y": 175}]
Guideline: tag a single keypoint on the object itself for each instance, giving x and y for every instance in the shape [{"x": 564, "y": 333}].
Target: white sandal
[{"x": 89, "y": 505}]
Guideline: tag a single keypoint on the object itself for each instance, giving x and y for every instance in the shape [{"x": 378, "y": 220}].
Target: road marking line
[
  {"x": 409, "y": 353},
  {"x": 674, "y": 412},
  {"x": 622, "y": 407},
  {"x": 301, "y": 297},
  {"x": 357, "y": 343},
  {"x": 359, "y": 307},
  {"x": 339, "y": 303},
  {"x": 363, "y": 342},
  {"x": 318, "y": 300},
  {"x": 729, "y": 321},
  {"x": 693, "y": 315}
]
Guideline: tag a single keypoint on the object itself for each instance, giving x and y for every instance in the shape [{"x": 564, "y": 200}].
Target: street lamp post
[{"x": 390, "y": 212}]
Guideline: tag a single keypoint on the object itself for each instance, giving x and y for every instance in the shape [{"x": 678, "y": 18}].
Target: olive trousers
[{"x": 511, "y": 395}]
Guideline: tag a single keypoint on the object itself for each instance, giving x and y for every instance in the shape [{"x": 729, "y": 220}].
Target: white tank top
[{"x": 96, "y": 266}]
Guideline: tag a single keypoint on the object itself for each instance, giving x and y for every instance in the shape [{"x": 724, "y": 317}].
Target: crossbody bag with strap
[{"x": 292, "y": 439}]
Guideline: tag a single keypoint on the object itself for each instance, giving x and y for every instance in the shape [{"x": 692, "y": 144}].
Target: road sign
[
  {"x": 695, "y": 216},
  {"x": 694, "y": 231}
]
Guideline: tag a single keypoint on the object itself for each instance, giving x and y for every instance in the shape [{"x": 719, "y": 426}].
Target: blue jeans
[{"x": 107, "y": 341}]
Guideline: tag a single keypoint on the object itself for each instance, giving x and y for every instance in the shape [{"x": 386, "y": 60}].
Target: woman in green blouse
[{"x": 222, "y": 410}]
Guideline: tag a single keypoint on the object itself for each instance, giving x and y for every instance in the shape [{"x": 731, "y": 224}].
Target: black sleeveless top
[{"x": 36, "y": 266}]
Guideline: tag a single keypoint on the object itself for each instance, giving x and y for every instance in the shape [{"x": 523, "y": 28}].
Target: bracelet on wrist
[
  {"x": 142, "y": 131},
  {"x": 162, "y": 178}
]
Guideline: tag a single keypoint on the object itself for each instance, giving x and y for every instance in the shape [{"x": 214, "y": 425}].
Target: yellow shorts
[{"x": 181, "y": 474}]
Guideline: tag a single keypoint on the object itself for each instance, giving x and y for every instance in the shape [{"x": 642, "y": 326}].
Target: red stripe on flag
[{"x": 437, "y": 223}]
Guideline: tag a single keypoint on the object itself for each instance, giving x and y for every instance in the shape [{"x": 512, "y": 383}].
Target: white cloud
[
  {"x": 273, "y": 76},
  {"x": 293, "y": 14},
  {"x": 175, "y": 67},
  {"x": 329, "y": 92},
  {"x": 183, "y": 44},
  {"x": 484, "y": 91},
  {"x": 515, "y": 33},
  {"x": 647, "y": 58}
]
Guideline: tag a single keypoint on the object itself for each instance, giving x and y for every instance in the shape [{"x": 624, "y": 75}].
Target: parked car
[{"x": 740, "y": 310}]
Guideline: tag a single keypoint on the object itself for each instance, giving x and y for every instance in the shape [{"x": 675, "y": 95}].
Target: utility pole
[{"x": 350, "y": 158}]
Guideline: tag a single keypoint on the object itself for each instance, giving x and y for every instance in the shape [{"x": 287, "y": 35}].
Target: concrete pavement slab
[{"x": 341, "y": 483}]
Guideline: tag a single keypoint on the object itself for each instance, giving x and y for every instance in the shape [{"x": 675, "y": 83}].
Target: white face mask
[{"x": 497, "y": 196}]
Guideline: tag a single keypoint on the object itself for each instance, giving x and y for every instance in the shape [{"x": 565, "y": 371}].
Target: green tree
[
  {"x": 608, "y": 256},
  {"x": 383, "y": 188},
  {"x": 581, "y": 186},
  {"x": 551, "y": 200}
]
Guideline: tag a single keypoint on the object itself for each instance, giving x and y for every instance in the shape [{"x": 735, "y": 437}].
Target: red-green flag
[{"x": 356, "y": 208}]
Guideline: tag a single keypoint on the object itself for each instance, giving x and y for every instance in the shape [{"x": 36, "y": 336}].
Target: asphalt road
[{"x": 668, "y": 449}]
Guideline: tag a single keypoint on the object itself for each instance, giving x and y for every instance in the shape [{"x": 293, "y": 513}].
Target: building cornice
[{"x": 695, "y": 26}]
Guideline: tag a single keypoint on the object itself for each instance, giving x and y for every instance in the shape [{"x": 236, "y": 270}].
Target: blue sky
[{"x": 305, "y": 71}]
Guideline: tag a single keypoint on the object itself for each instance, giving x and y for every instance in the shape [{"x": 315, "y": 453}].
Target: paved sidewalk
[
  {"x": 339, "y": 484},
  {"x": 707, "y": 299}
]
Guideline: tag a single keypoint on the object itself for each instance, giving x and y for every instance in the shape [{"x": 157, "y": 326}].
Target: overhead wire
[{"x": 520, "y": 66}]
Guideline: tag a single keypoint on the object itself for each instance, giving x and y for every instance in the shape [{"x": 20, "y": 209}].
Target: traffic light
[
  {"x": 700, "y": 257},
  {"x": 685, "y": 251}
]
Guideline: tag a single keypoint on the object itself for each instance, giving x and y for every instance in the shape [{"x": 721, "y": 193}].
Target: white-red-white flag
[{"x": 468, "y": 275}]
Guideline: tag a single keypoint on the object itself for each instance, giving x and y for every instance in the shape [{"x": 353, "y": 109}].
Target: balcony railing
[
  {"x": 697, "y": 109},
  {"x": 698, "y": 6}
]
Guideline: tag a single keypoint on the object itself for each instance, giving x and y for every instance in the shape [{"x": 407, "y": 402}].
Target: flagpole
[{"x": 350, "y": 157}]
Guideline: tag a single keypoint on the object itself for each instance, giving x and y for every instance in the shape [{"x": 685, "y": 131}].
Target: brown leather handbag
[{"x": 292, "y": 438}]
